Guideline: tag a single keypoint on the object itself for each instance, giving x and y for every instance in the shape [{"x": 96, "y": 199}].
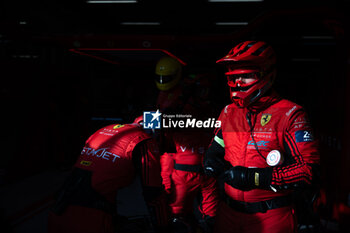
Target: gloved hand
[
  {"x": 213, "y": 165},
  {"x": 245, "y": 179},
  {"x": 167, "y": 190}
]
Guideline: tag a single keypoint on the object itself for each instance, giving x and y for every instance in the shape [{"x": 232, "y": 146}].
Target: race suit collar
[{"x": 270, "y": 98}]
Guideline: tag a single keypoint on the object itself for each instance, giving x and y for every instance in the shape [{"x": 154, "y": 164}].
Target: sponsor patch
[
  {"x": 262, "y": 135},
  {"x": 260, "y": 144},
  {"x": 291, "y": 110},
  {"x": 225, "y": 111},
  {"x": 100, "y": 153},
  {"x": 85, "y": 163},
  {"x": 303, "y": 136}
]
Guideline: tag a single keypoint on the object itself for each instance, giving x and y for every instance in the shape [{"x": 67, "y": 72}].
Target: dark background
[{"x": 68, "y": 68}]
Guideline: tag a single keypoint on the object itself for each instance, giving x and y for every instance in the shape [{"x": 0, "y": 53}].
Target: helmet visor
[
  {"x": 240, "y": 80},
  {"x": 162, "y": 79}
]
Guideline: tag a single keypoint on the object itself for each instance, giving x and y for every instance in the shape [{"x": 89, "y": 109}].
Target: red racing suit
[
  {"x": 275, "y": 124},
  {"x": 183, "y": 177},
  {"x": 112, "y": 156}
]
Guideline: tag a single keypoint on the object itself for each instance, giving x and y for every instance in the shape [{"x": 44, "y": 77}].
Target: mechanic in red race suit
[
  {"x": 181, "y": 164},
  {"x": 109, "y": 161},
  {"x": 169, "y": 80},
  {"x": 258, "y": 195},
  {"x": 184, "y": 180},
  {"x": 181, "y": 91}
]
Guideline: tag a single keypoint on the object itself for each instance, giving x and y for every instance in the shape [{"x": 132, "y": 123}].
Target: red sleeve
[
  {"x": 301, "y": 154},
  {"x": 150, "y": 164},
  {"x": 167, "y": 166},
  {"x": 218, "y": 131},
  {"x": 152, "y": 184}
]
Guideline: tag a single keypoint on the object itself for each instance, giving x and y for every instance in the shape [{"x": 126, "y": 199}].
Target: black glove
[
  {"x": 245, "y": 179},
  {"x": 213, "y": 165}
]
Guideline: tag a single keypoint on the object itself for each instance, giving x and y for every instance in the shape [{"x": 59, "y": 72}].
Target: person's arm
[
  {"x": 301, "y": 167},
  {"x": 146, "y": 160},
  {"x": 167, "y": 167},
  {"x": 238, "y": 177},
  {"x": 214, "y": 163}
]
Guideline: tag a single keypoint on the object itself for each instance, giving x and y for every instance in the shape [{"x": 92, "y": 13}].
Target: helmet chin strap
[
  {"x": 255, "y": 97},
  {"x": 239, "y": 102}
]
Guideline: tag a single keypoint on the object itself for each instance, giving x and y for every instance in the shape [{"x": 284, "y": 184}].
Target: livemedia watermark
[{"x": 157, "y": 120}]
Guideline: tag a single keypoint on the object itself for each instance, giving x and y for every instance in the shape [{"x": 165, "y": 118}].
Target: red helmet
[{"x": 249, "y": 59}]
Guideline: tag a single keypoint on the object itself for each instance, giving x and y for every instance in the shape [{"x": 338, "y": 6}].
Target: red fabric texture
[
  {"x": 108, "y": 154},
  {"x": 185, "y": 185},
  {"x": 279, "y": 132},
  {"x": 277, "y": 124}
]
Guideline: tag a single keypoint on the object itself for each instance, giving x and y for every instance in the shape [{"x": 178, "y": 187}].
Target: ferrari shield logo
[
  {"x": 117, "y": 126},
  {"x": 265, "y": 118}
]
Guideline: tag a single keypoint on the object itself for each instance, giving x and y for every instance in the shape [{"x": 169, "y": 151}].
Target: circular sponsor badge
[{"x": 274, "y": 158}]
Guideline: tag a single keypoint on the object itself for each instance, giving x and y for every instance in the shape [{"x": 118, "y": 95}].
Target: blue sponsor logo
[
  {"x": 151, "y": 120},
  {"x": 303, "y": 136},
  {"x": 259, "y": 143},
  {"x": 100, "y": 153}
]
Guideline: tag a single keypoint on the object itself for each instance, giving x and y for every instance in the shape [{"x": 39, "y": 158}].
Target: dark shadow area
[{"x": 53, "y": 99}]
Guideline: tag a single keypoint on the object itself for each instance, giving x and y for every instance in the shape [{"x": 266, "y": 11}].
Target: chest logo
[
  {"x": 117, "y": 126},
  {"x": 265, "y": 118},
  {"x": 85, "y": 163}
]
